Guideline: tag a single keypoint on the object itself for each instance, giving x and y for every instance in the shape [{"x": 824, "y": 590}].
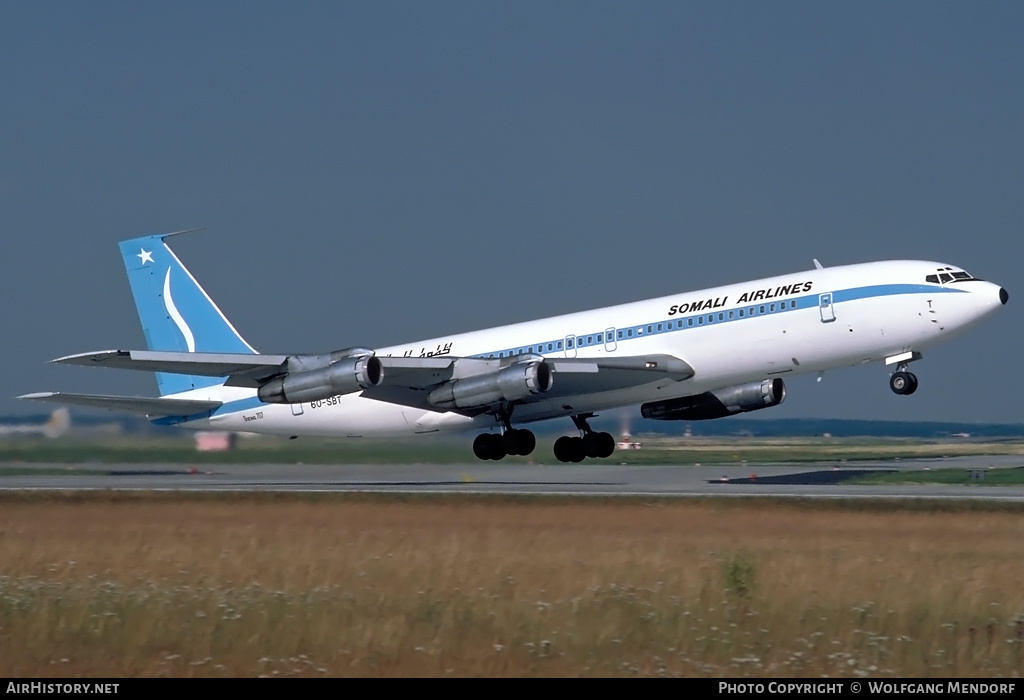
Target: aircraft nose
[{"x": 992, "y": 297}]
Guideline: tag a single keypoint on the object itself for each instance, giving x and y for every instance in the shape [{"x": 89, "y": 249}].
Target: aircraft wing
[
  {"x": 241, "y": 370},
  {"x": 588, "y": 375},
  {"x": 409, "y": 380},
  {"x": 134, "y": 404}
]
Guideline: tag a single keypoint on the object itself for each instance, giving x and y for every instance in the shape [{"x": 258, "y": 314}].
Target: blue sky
[{"x": 375, "y": 173}]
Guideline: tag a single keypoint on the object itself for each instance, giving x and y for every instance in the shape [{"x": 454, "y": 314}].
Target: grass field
[
  {"x": 458, "y": 449},
  {"x": 986, "y": 477},
  {"x": 142, "y": 584}
]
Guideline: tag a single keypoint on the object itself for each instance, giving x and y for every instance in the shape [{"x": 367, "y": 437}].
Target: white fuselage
[{"x": 803, "y": 322}]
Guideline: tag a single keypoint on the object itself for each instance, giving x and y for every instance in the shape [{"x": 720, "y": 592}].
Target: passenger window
[
  {"x": 648, "y": 329},
  {"x": 559, "y": 345},
  {"x": 679, "y": 323},
  {"x": 689, "y": 322},
  {"x": 771, "y": 307},
  {"x": 568, "y": 342},
  {"x": 630, "y": 332},
  {"x": 700, "y": 320},
  {"x": 639, "y": 330},
  {"x": 549, "y": 347},
  {"x": 659, "y": 326},
  {"x": 761, "y": 309},
  {"x": 792, "y": 304},
  {"x": 741, "y": 313},
  {"x": 711, "y": 318},
  {"x": 620, "y": 335},
  {"x": 731, "y": 315},
  {"x": 721, "y": 316}
]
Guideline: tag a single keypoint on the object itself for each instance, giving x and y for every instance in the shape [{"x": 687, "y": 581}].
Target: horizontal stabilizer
[
  {"x": 242, "y": 369},
  {"x": 135, "y": 404}
]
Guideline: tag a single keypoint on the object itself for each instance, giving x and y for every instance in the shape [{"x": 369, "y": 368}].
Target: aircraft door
[
  {"x": 610, "y": 344},
  {"x": 570, "y": 346},
  {"x": 826, "y": 307}
]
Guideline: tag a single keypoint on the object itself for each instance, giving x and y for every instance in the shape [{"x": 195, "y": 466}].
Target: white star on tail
[{"x": 144, "y": 255}]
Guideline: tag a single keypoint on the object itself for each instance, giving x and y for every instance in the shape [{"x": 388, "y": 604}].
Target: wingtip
[
  {"x": 81, "y": 355},
  {"x": 178, "y": 233},
  {"x": 38, "y": 395}
]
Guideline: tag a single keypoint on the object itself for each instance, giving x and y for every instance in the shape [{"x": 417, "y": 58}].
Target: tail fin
[{"x": 176, "y": 313}]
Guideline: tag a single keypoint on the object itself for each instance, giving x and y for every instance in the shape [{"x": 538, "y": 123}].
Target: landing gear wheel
[
  {"x": 578, "y": 449},
  {"x": 489, "y": 446},
  {"x": 498, "y": 450},
  {"x": 569, "y": 449},
  {"x": 482, "y": 446},
  {"x": 563, "y": 449},
  {"x": 512, "y": 441},
  {"x": 903, "y": 383},
  {"x": 529, "y": 442},
  {"x": 519, "y": 442},
  {"x": 598, "y": 445},
  {"x": 605, "y": 445}
]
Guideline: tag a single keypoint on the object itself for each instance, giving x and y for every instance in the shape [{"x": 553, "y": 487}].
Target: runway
[{"x": 595, "y": 478}]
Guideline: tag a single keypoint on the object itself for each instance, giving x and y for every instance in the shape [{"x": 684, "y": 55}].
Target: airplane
[{"x": 692, "y": 356}]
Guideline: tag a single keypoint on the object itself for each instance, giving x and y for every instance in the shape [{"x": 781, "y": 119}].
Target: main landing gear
[
  {"x": 513, "y": 441},
  {"x": 591, "y": 444},
  {"x": 518, "y": 441}
]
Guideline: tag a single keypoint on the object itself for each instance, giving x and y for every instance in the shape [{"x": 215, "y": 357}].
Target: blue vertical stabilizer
[{"x": 176, "y": 313}]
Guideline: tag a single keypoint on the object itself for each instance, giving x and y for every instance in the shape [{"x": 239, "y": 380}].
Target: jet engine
[
  {"x": 507, "y": 384},
  {"x": 341, "y": 376},
  {"x": 720, "y": 403}
]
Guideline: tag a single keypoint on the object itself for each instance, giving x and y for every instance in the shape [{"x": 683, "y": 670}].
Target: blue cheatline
[
  {"x": 175, "y": 311},
  {"x": 742, "y": 312}
]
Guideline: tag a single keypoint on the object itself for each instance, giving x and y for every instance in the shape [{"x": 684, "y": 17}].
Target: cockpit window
[{"x": 948, "y": 275}]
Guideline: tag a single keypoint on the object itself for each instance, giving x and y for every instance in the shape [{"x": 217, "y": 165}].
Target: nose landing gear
[{"x": 903, "y": 383}]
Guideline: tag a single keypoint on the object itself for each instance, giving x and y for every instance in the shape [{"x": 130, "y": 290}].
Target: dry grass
[{"x": 153, "y": 585}]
